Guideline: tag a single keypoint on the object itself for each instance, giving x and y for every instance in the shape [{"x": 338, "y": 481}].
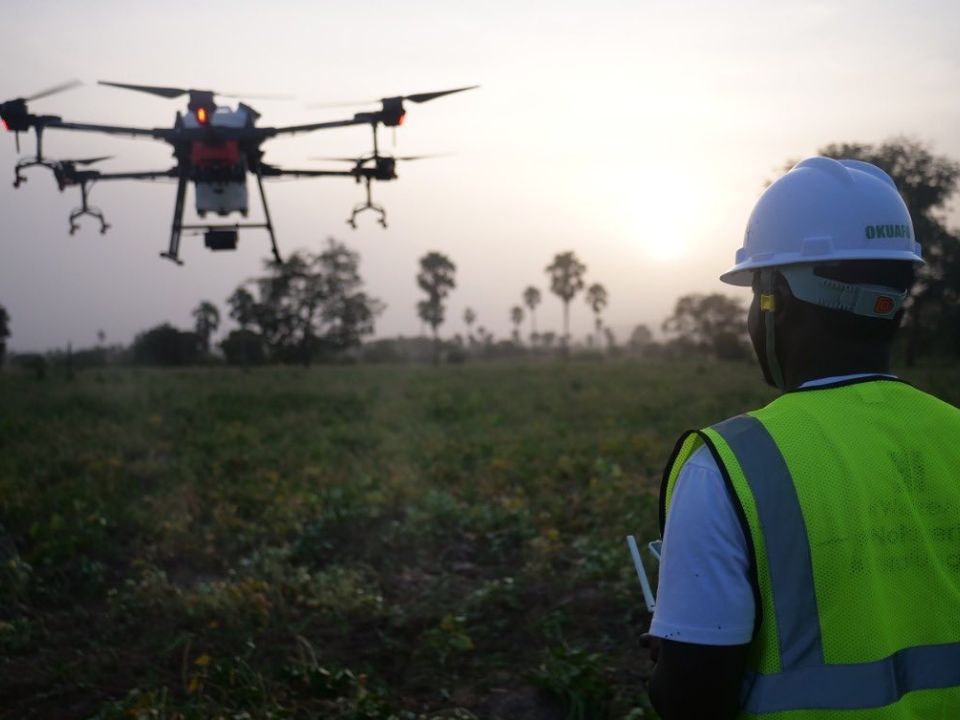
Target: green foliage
[
  {"x": 448, "y": 639},
  {"x": 339, "y": 542},
  {"x": 577, "y": 678},
  {"x": 243, "y": 347},
  {"x": 310, "y": 305},
  {"x": 166, "y": 345},
  {"x": 927, "y": 183},
  {"x": 711, "y": 323}
]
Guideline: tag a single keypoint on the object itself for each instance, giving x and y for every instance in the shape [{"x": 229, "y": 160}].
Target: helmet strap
[
  {"x": 768, "y": 308},
  {"x": 873, "y": 301}
]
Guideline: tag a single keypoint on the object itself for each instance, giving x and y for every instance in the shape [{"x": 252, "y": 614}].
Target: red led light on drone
[
  {"x": 400, "y": 120},
  {"x": 202, "y": 116},
  {"x": 4, "y": 124}
]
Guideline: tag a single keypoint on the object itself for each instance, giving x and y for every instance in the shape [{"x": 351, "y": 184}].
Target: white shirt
[{"x": 704, "y": 594}]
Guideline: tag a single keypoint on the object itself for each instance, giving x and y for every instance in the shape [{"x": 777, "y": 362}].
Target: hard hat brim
[{"x": 741, "y": 274}]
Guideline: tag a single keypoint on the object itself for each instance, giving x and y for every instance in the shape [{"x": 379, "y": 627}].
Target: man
[{"x": 811, "y": 555}]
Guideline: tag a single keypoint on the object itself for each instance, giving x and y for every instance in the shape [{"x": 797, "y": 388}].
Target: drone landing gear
[
  {"x": 20, "y": 178},
  {"x": 368, "y": 205},
  {"x": 37, "y": 161},
  {"x": 173, "y": 253},
  {"x": 218, "y": 237},
  {"x": 266, "y": 214},
  {"x": 85, "y": 209}
]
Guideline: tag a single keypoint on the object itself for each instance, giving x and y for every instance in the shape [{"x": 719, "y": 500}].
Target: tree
[
  {"x": 243, "y": 344},
  {"x": 206, "y": 321},
  {"x": 566, "y": 280},
  {"x": 313, "y": 304},
  {"x": 926, "y": 183},
  {"x": 712, "y": 323},
  {"x": 640, "y": 339},
  {"x": 243, "y": 347},
  {"x": 242, "y": 307},
  {"x": 516, "y": 317},
  {"x": 4, "y": 332},
  {"x": 531, "y": 298},
  {"x": 611, "y": 339},
  {"x": 469, "y": 317},
  {"x": 166, "y": 345},
  {"x": 436, "y": 279},
  {"x": 597, "y": 299}
]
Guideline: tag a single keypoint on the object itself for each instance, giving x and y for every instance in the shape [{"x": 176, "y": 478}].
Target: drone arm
[
  {"x": 157, "y": 133},
  {"x": 269, "y": 171},
  {"x": 292, "y": 129},
  {"x": 146, "y": 175}
]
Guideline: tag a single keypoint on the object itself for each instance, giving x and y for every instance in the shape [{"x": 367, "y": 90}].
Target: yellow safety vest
[{"x": 849, "y": 495}]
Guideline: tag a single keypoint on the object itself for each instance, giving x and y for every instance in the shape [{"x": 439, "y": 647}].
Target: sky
[{"x": 637, "y": 134}]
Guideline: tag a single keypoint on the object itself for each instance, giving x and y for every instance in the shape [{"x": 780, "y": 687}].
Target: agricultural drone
[{"x": 215, "y": 148}]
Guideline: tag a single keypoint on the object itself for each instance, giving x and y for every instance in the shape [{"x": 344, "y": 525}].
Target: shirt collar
[{"x": 842, "y": 378}]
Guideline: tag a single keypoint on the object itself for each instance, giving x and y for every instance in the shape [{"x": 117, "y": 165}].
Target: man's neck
[{"x": 816, "y": 368}]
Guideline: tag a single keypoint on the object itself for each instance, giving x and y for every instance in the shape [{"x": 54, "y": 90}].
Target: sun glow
[{"x": 665, "y": 216}]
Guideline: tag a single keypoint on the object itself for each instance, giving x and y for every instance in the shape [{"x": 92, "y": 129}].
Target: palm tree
[
  {"x": 516, "y": 317},
  {"x": 243, "y": 310},
  {"x": 597, "y": 299},
  {"x": 566, "y": 280},
  {"x": 531, "y": 298},
  {"x": 469, "y": 317},
  {"x": 242, "y": 307},
  {"x": 206, "y": 321},
  {"x": 436, "y": 279}
]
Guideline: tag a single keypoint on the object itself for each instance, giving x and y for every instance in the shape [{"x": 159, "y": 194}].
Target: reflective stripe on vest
[{"x": 806, "y": 681}]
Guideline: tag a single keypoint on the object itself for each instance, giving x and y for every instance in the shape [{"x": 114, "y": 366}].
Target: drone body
[
  {"x": 219, "y": 167},
  {"x": 216, "y": 148}
]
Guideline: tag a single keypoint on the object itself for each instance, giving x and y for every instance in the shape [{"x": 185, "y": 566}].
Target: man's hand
[{"x": 692, "y": 682}]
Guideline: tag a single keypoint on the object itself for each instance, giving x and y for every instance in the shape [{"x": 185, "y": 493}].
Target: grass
[{"x": 341, "y": 542}]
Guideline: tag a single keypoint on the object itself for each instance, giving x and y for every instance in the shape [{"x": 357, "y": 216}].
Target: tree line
[
  {"x": 436, "y": 278},
  {"x": 310, "y": 307},
  {"x": 313, "y": 307}
]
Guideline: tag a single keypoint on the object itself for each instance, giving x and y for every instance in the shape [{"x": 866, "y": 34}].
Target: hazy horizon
[{"x": 636, "y": 134}]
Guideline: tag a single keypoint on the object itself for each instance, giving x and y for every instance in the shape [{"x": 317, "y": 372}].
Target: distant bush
[
  {"x": 244, "y": 347},
  {"x": 34, "y": 362},
  {"x": 166, "y": 345}
]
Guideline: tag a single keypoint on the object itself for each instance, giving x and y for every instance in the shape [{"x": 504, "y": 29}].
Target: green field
[{"x": 340, "y": 542}]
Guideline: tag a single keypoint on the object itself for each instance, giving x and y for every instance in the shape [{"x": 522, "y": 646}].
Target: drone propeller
[
  {"x": 172, "y": 92},
  {"x": 164, "y": 92},
  {"x": 424, "y": 97},
  {"x": 256, "y": 96},
  {"x": 62, "y": 87},
  {"x": 417, "y": 98},
  {"x": 88, "y": 161}
]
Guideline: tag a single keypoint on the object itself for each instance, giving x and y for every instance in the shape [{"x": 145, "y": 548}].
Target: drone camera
[{"x": 220, "y": 239}]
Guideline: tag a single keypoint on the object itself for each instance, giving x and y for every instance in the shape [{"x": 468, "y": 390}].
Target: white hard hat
[{"x": 826, "y": 210}]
